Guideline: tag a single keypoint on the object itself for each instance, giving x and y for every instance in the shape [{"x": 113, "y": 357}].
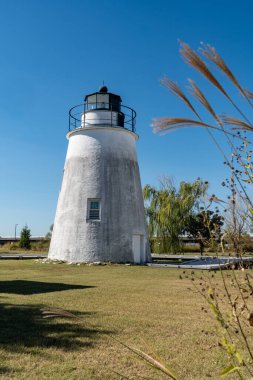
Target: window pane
[
  {"x": 94, "y": 214},
  {"x": 94, "y": 205},
  {"x": 103, "y": 98},
  {"x": 103, "y": 106},
  {"x": 103, "y": 101},
  {"x": 93, "y": 209},
  {"x": 91, "y": 99}
]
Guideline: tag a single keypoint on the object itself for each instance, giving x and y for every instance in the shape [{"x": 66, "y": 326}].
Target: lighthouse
[{"x": 100, "y": 212}]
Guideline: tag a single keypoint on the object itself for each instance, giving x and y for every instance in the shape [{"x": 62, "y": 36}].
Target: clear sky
[{"x": 53, "y": 52}]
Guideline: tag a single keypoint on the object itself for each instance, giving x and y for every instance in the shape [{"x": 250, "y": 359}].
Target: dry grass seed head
[
  {"x": 169, "y": 124},
  {"x": 230, "y": 120},
  {"x": 198, "y": 94},
  {"x": 176, "y": 90},
  {"x": 248, "y": 94},
  {"x": 53, "y": 312},
  {"x": 193, "y": 59},
  {"x": 211, "y": 53}
]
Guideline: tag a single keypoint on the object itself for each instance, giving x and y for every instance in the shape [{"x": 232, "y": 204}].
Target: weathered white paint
[
  {"x": 101, "y": 163},
  {"x": 99, "y": 117}
]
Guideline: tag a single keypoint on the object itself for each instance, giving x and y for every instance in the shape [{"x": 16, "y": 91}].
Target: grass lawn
[{"x": 148, "y": 308}]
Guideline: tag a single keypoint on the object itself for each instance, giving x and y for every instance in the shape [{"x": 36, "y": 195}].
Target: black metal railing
[{"x": 81, "y": 117}]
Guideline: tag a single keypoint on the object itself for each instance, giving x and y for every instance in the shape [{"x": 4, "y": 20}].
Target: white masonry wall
[{"x": 101, "y": 163}]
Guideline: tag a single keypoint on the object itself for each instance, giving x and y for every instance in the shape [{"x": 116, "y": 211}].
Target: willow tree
[{"x": 168, "y": 211}]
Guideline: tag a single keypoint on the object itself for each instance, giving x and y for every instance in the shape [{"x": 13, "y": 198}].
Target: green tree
[
  {"x": 49, "y": 234},
  {"x": 25, "y": 238},
  {"x": 168, "y": 210},
  {"x": 205, "y": 227}
]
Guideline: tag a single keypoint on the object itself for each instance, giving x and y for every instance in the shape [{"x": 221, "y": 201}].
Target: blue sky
[{"x": 55, "y": 52}]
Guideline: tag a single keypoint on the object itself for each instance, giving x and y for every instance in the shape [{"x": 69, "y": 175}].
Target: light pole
[{"x": 16, "y": 231}]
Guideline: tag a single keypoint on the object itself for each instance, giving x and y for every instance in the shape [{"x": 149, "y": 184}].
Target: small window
[
  {"x": 102, "y": 101},
  {"x": 93, "y": 209}
]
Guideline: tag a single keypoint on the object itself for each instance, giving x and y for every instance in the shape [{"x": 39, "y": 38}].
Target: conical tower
[{"x": 100, "y": 212}]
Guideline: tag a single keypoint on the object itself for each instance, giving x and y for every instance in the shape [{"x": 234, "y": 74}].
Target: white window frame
[{"x": 89, "y": 202}]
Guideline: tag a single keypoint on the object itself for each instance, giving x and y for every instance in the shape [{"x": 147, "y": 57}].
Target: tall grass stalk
[{"x": 232, "y": 303}]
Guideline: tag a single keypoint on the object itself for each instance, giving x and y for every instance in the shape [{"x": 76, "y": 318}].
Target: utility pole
[{"x": 16, "y": 231}]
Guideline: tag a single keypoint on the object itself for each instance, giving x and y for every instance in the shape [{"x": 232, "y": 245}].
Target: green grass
[{"x": 148, "y": 308}]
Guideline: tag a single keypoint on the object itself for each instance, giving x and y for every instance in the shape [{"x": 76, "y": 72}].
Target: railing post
[{"x": 84, "y": 114}]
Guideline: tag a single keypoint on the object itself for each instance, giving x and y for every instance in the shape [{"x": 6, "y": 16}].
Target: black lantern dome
[{"x": 103, "y": 89}]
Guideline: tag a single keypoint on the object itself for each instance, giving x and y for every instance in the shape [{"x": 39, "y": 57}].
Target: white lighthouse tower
[{"x": 100, "y": 212}]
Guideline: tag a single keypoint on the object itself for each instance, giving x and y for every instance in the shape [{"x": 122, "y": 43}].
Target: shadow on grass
[
  {"x": 22, "y": 328},
  {"x": 4, "y": 370},
  {"x": 26, "y": 287}
]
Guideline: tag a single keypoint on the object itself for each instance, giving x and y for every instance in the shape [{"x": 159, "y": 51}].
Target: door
[{"x": 138, "y": 249}]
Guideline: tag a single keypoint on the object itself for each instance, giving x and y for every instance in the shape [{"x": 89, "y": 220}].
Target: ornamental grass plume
[
  {"x": 194, "y": 60},
  {"x": 176, "y": 90},
  {"x": 238, "y": 123},
  {"x": 198, "y": 94},
  {"x": 169, "y": 124},
  {"x": 55, "y": 312},
  {"x": 211, "y": 53},
  {"x": 213, "y": 56},
  {"x": 222, "y": 123}
]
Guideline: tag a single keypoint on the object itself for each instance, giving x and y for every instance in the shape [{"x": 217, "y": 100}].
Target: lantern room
[
  {"x": 102, "y": 109},
  {"x": 102, "y": 100}
]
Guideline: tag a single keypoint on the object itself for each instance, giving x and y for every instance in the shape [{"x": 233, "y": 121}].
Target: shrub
[{"x": 25, "y": 238}]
